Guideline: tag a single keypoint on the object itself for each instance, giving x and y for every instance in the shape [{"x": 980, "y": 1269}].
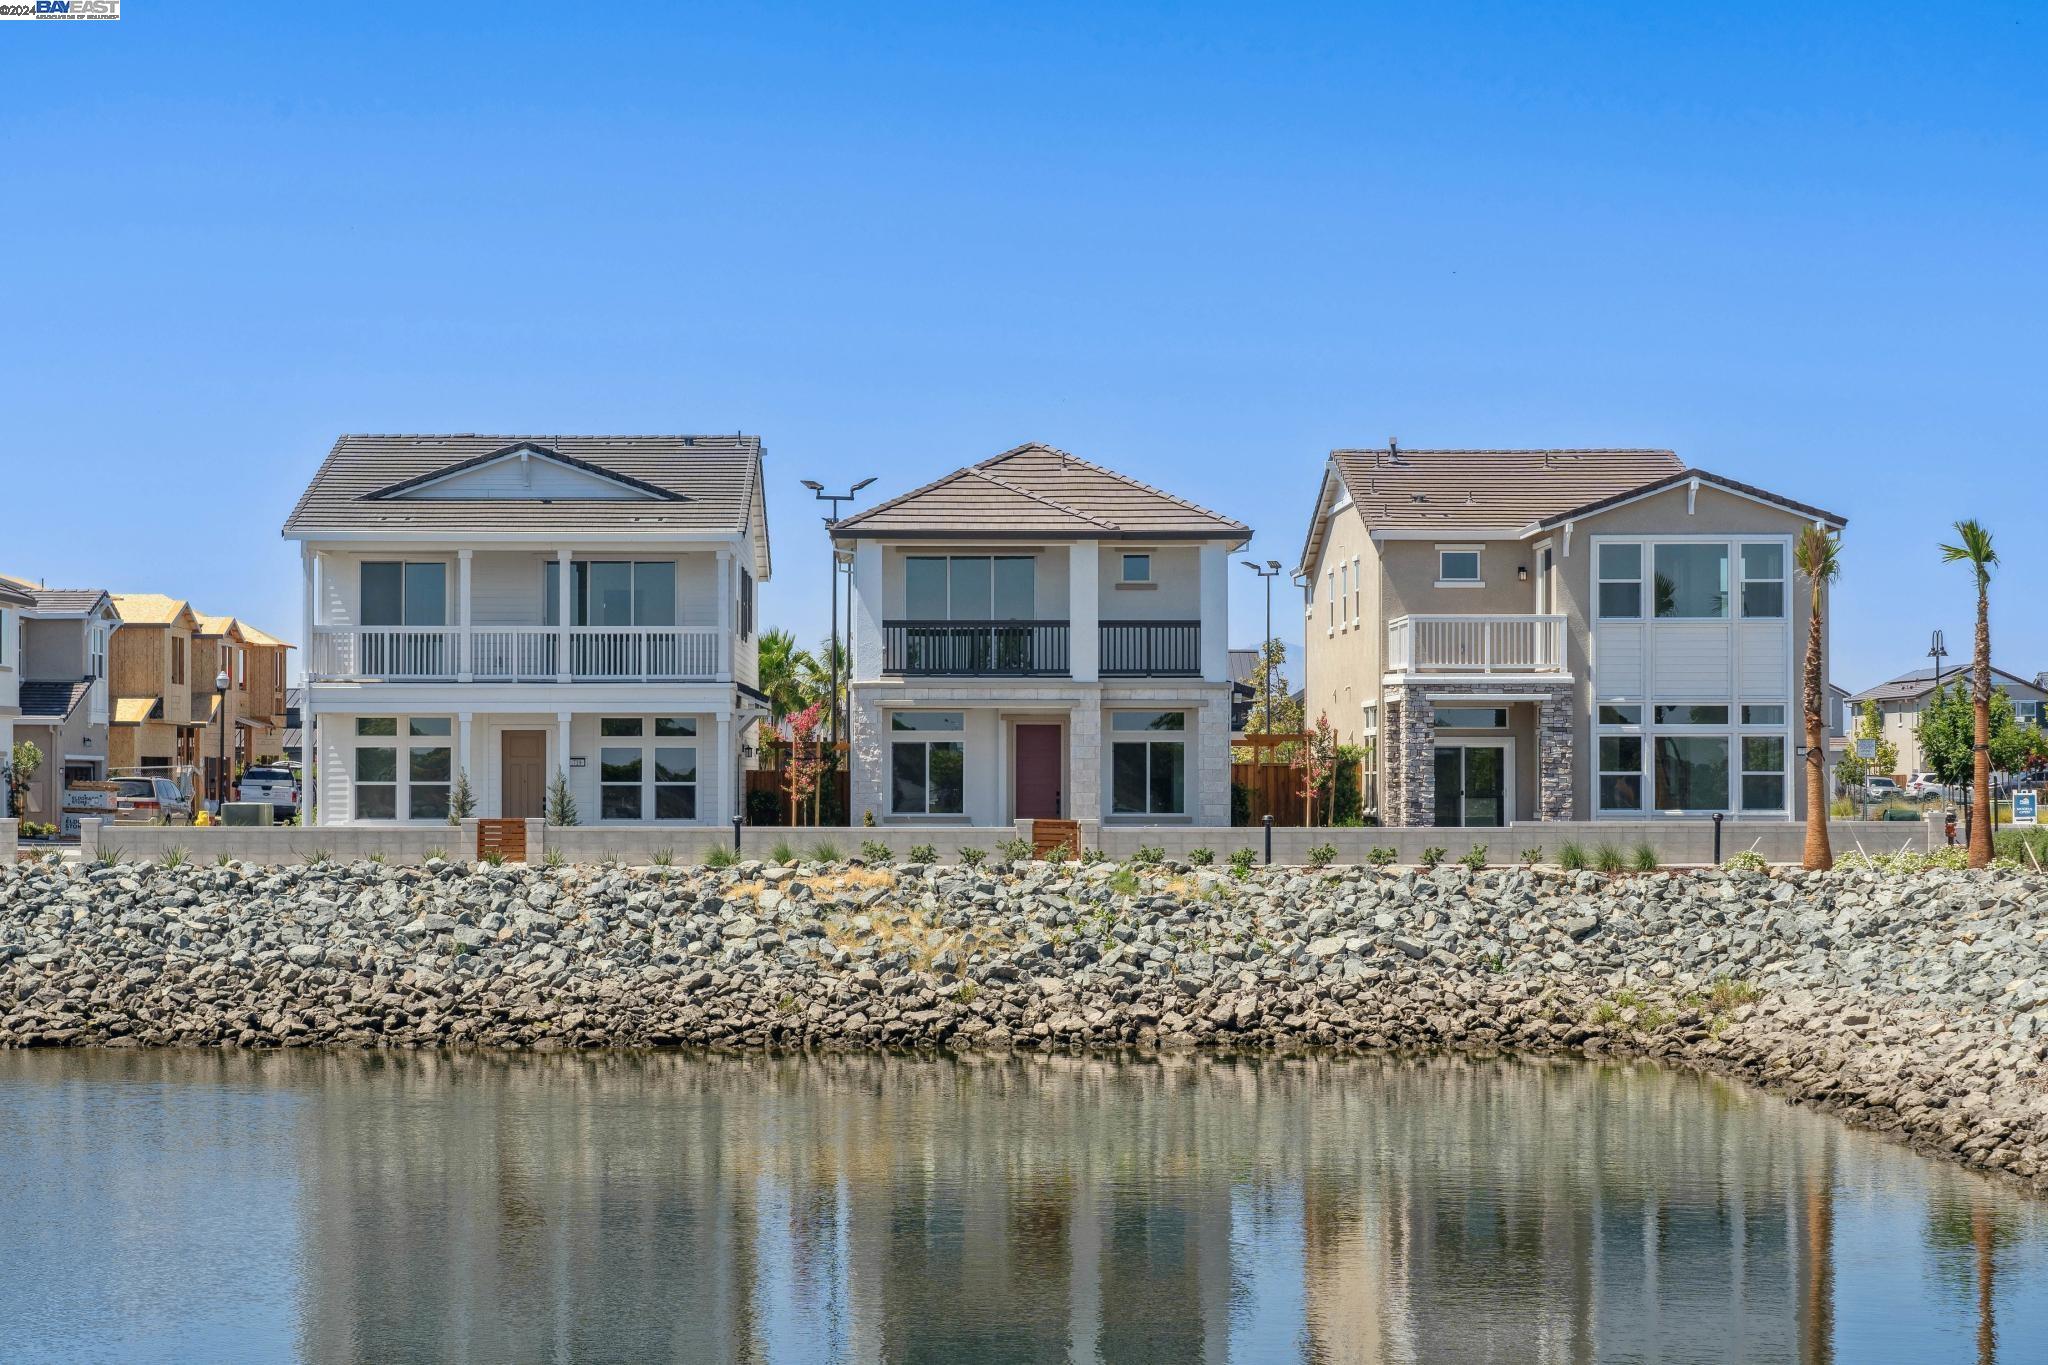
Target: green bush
[
  {"x": 554, "y": 857},
  {"x": 1644, "y": 857},
  {"x": 970, "y": 857},
  {"x": 1531, "y": 856},
  {"x": 876, "y": 853},
  {"x": 764, "y": 808},
  {"x": 1608, "y": 858},
  {"x": 1474, "y": 858},
  {"x": 825, "y": 851},
  {"x": 174, "y": 857},
  {"x": 1322, "y": 855},
  {"x": 1123, "y": 882},
  {"x": 561, "y": 804},
  {"x": 1749, "y": 860},
  {"x": 1147, "y": 856},
  {"x": 1432, "y": 857},
  {"x": 1015, "y": 850},
  {"x": 1380, "y": 856},
  {"x": 1347, "y": 793},
  {"x": 784, "y": 852},
  {"x": 1572, "y": 857},
  {"x": 2027, "y": 848},
  {"x": 664, "y": 857},
  {"x": 1241, "y": 863},
  {"x": 721, "y": 855},
  {"x": 1089, "y": 856},
  {"x": 1061, "y": 852},
  {"x": 1201, "y": 857},
  {"x": 1240, "y": 804},
  {"x": 923, "y": 853}
]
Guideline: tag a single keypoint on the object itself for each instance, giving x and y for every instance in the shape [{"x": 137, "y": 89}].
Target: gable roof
[
  {"x": 52, "y": 700},
  {"x": 1920, "y": 683},
  {"x": 216, "y": 625},
  {"x": 404, "y": 486},
  {"x": 136, "y": 710},
  {"x": 1035, "y": 490},
  {"x": 261, "y": 638},
  {"x": 79, "y": 601},
  {"x": 148, "y": 609},
  {"x": 14, "y": 596},
  {"x": 1679, "y": 480},
  {"x": 697, "y": 484},
  {"x": 1448, "y": 489}
]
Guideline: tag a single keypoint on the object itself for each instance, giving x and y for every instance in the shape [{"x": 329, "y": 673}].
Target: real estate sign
[{"x": 2026, "y": 808}]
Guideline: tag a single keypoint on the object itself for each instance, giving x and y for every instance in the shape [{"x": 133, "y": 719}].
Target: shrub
[
  {"x": 1202, "y": 857},
  {"x": 923, "y": 853},
  {"x": 561, "y": 805},
  {"x": 664, "y": 857},
  {"x": 1241, "y": 863},
  {"x": 378, "y": 857},
  {"x": 221, "y": 860},
  {"x": 461, "y": 800},
  {"x": 319, "y": 857},
  {"x": 108, "y": 856},
  {"x": 1474, "y": 857},
  {"x": 877, "y": 853},
  {"x": 437, "y": 854},
  {"x": 721, "y": 855},
  {"x": 1842, "y": 808},
  {"x": 1124, "y": 882},
  {"x": 1644, "y": 857},
  {"x": 1431, "y": 857},
  {"x": 1322, "y": 855},
  {"x": 1060, "y": 853},
  {"x": 1090, "y": 856},
  {"x": 1147, "y": 855},
  {"x": 1015, "y": 850},
  {"x": 174, "y": 857},
  {"x": 1608, "y": 858},
  {"x": 554, "y": 857},
  {"x": 1240, "y": 804},
  {"x": 1380, "y": 856},
  {"x": 764, "y": 808},
  {"x": 1749, "y": 860},
  {"x": 2027, "y": 848},
  {"x": 783, "y": 852},
  {"x": 970, "y": 857},
  {"x": 494, "y": 858},
  {"x": 1347, "y": 792},
  {"x": 1572, "y": 857},
  {"x": 825, "y": 851},
  {"x": 867, "y": 819},
  {"x": 1531, "y": 857}
]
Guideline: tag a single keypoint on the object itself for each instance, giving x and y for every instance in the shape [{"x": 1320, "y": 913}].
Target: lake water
[{"x": 363, "y": 1207}]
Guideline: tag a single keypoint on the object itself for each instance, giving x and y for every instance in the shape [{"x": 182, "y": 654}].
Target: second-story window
[
  {"x": 98, "y": 663},
  {"x": 1457, "y": 566},
  {"x": 970, "y": 588},
  {"x": 1137, "y": 569},
  {"x": 746, "y": 605},
  {"x": 611, "y": 592},
  {"x": 177, "y": 660},
  {"x": 400, "y": 594}
]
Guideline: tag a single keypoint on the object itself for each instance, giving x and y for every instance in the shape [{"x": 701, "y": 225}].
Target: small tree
[
  {"x": 1948, "y": 731},
  {"x": 1315, "y": 762},
  {"x": 561, "y": 804},
  {"x": 1285, "y": 717},
  {"x": 461, "y": 801},
  {"x": 1870, "y": 725},
  {"x": 22, "y": 765},
  {"x": 805, "y": 767}
]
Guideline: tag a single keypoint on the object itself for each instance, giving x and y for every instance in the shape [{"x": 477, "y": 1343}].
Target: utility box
[{"x": 245, "y": 813}]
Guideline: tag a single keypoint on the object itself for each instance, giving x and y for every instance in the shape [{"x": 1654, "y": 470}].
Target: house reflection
[{"x": 1044, "y": 1209}]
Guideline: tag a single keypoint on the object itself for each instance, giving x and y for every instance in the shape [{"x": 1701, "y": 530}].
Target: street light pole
[
  {"x": 832, "y": 563},
  {"x": 220, "y": 721},
  {"x": 1269, "y": 573}
]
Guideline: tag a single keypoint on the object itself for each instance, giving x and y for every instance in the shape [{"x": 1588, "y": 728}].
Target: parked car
[
  {"x": 150, "y": 801},
  {"x": 1924, "y": 784},
  {"x": 276, "y": 786},
  {"x": 1880, "y": 788}
]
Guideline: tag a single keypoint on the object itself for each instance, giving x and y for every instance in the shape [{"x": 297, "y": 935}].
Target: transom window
[
  {"x": 637, "y": 777},
  {"x": 411, "y": 772},
  {"x": 1148, "y": 763},
  {"x": 1472, "y": 717},
  {"x": 1611, "y": 714},
  {"x": 611, "y": 592},
  {"x": 1753, "y": 714},
  {"x": 970, "y": 587},
  {"x": 1457, "y": 564},
  {"x": 1691, "y": 580},
  {"x": 1692, "y": 713},
  {"x": 927, "y": 763}
]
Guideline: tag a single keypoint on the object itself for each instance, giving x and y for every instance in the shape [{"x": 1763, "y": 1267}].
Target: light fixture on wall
[{"x": 1522, "y": 572}]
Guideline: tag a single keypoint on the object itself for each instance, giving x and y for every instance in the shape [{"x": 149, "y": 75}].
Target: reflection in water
[{"x": 351, "y": 1206}]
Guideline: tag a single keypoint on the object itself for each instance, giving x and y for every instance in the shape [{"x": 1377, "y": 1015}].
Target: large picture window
[
  {"x": 1692, "y": 581},
  {"x": 1692, "y": 772},
  {"x": 404, "y": 594},
  {"x": 611, "y": 592},
  {"x": 927, "y": 763},
  {"x": 1148, "y": 763},
  {"x": 402, "y": 767},
  {"x": 970, "y": 588},
  {"x": 642, "y": 771}
]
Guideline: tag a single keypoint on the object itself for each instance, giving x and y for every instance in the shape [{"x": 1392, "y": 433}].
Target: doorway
[
  {"x": 522, "y": 768},
  {"x": 1475, "y": 782},
  {"x": 1037, "y": 789}
]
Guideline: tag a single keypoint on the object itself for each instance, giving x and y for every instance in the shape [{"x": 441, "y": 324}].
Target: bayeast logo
[{"x": 60, "y": 9}]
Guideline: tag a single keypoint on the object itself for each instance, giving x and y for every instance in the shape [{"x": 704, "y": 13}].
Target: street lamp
[
  {"x": 1269, "y": 573},
  {"x": 220, "y": 721},
  {"x": 818, "y": 491}
]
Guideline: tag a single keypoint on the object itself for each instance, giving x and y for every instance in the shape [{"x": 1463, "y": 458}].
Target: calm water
[{"x": 349, "y": 1207}]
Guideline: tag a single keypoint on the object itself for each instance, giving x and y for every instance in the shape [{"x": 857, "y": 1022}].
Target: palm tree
[
  {"x": 1974, "y": 549},
  {"x": 782, "y": 668},
  {"x": 816, "y": 673},
  {"x": 1818, "y": 556}
]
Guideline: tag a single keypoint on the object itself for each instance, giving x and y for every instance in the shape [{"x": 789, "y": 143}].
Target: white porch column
[
  {"x": 562, "y": 743},
  {"x": 728, "y": 770},
  {"x": 562, "y": 624},
  {"x": 728, "y": 590},
  {"x": 466, "y": 658},
  {"x": 1084, "y": 610},
  {"x": 1216, "y": 612},
  {"x": 462, "y": 719},
  {"x": 310, "y": 774},
  {"x": 307, "y": 561},
  {"x": 865, "y": 649}
]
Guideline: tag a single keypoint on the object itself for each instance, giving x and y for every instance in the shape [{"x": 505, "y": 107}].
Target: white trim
[
  {"x": 525, "y": 453},
  {"x": 1505, "y": 679},
  {"x": 1535, "y": 528},
  {"x": 1439, "y": 532}
]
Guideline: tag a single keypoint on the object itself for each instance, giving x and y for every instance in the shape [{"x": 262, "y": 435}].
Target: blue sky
[{"x": 1800, "y": 246}]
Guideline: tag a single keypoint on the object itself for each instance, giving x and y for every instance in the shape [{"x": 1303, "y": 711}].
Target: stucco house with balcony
[
  {"x": 65, "y": 637},
  {"x": 516, "y": 607},
  {"x": 1038, "y": 637},
  {"x": 1557, "y": 634}
]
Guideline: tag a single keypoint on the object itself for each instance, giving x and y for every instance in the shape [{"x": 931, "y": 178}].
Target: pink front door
[{"x": 1038, "y": 772}]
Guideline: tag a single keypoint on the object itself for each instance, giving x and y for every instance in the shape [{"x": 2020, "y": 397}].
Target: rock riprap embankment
[{"x": 1914, "y": 1004}]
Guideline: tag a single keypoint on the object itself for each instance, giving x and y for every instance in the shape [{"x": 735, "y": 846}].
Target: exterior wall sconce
[{"x": 1522, "y": 572}]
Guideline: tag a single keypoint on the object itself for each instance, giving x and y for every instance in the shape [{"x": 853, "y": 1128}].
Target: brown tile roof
[
  {"x": 147, "y": 608},
  {"x": 1470, "y": 489},
  {"x": 1035, "y": 490},
  {"x": 707, "y": 483},
  {"x": 54, "y": 599}
]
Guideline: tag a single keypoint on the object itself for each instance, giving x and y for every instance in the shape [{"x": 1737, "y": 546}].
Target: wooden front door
[
  {"x": 1038, "y": 772},
  {"x": 523, "y": 781}
]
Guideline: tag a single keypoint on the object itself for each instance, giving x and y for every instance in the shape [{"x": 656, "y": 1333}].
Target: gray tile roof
[
  {"x": 1920, "y": 681},
  {"x": 13, "y": 596},
  {"x": 1451, "y": 489},
  {"x": 1037, "y": 491},
  {"x": 51, "y": 700},
  {"x": 709, "y": 483},
  {"x": 79, "y": 600}
]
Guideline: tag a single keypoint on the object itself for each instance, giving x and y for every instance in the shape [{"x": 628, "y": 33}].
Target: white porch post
[
  {"x": 865, "y": 650},
  {"x": 307, "y": 562},
  {"x": 462, "y": 719},
  {"x": 310, "y": 771},
  {"x": 728, "y": 590},
  {"x": 562, "y": 629},
  {"x": 466, "y": 659},
  {"x": 1215, "y": 612},
  {"x": 729, "y": 779},
  {"x": 562, "y": 743},
  {"x": 1084, "y": 610}
]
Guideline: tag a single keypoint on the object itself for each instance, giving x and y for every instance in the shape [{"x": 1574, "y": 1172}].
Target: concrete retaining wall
[
  {"x": 279, "y": 845},
  {"x": 10, "y": 832}
]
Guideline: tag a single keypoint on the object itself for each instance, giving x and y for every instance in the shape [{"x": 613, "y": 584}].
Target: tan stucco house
[
  {"x": 1557, "y": 634},
  {"x": 1901, "y": 700}
]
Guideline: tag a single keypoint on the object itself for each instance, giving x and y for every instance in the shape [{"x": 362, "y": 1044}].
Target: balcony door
[
  {"x": 1474, "y": 782},
  {"x": 404, "y": 612},
  {"x": 971, "y": 614}
]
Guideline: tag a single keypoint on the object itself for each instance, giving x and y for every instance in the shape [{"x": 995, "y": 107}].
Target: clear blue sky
[{"x": 1801, "y": 247}]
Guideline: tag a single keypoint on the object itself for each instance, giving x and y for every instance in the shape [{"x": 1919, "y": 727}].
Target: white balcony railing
[
  {"x": 1475, "y": 644},
  {"x": 515, "y": 654}
]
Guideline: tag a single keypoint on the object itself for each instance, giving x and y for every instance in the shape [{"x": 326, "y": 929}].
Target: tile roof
[
  {"x": 1455, "y": 489},
  {"x": 1036, "y": 490},
  {"x": 1679, "y": 479},
  {"x": 15, "y": 596},
  {"x": 709, "y": 484},
  {"x": 55, "y": 599},
  {"x": 52, "y": 700},
  {"x": 1920, "y": 681},
  {"x": 147, "y": 608},
  {"x": 135, "y": 710}
]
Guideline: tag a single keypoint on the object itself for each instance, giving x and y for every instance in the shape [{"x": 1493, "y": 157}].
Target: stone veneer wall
[{"x": 1410, "y": 740}]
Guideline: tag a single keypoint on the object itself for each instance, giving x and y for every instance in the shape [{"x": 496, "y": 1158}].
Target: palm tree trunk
[
  {"x": 1819, "y": 855},
  {"x": 1980, "y": 759}
]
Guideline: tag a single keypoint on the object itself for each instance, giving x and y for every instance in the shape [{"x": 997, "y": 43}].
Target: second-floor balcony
[
  {"x": 1475, "y": 644},
  {"x": 515, "y": 654},
  {"x": 1040, "y": 649}
]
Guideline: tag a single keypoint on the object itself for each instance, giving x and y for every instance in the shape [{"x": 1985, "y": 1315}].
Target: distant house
[
  {"x": 65, "y": 637},
  {"x": 152, "y": 727},
  {"x": 1901, "y": 700},
  {"x": 13, "y": 603}
]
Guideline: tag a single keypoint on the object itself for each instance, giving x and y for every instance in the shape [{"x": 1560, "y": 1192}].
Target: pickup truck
[{"x": 277, "y": 786}]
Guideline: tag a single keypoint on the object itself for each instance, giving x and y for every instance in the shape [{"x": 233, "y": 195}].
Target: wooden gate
[
  {"x": 1048, "y": 835},
  {"x": 503, "y": 838}
]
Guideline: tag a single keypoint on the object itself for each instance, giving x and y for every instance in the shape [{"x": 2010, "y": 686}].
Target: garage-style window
[
  {"x": 927, "y": 763},
  {"x": 1148, "y": 763}
]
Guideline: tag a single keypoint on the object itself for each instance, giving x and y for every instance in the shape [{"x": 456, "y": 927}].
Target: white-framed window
[
  {"x": 404, "y": 593},
  {"x": 927, "y": 763},
  {"x": 610, "y": 592},
  {"x": 1369, "y": 718},
  {"x": 1357, "y": 593},
  {"x": 1457, "y": 566},
  {"x": 1148, "y": 763},
  {"x": 1331, "y": 586},
  {"x": 98, "y": 663},
  {"x": 970, "y": 587},
  {"x": 1343, "y": 592},
  {"x": 1137, "y": 568},
  {"x": 1621, "y": 582},
  {"x": 1691, "y": 580},
  {"x": 1763, "y": 774},
  {"x": 1620, "y": 771},
  {"x": 645, "y": 769},
  {"x": 2026, "y": 712},
  {"x": 1620, "y": 713},
  {"x": 1763, "y": 581},
  {"x": 402, "y": 764},
  {"x": 1691, "y": 772},
  {"x": 1690, "y": 713},
  {"x": 1756, "y": 713},
  {"x": 6, "y": 638},
  {"x": 241, "y": 657}
]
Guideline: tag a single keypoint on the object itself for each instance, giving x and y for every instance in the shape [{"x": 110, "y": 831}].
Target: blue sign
[{"x": 2026, "y": 808}]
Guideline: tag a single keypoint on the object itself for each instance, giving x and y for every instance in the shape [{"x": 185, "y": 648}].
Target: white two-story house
[
  {"x": 1558, "y": 634},
  {"x": 1037, "y": 637},
  {"x": 513, "y": 608}
]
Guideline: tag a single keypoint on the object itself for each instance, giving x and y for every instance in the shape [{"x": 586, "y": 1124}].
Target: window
[
  {"x": 1148, "y": 776},
  {"x": 1763, "y": 715},
  {"x": 99, "y": 651},
  {"x": 404, "y": 594},
  {"x": 1621, "y": 582},
  {"x": 429, "y": 768},
  {"x": 377, "y": 782},
  {"x": 1331, "y": 594},
  {"x": 1357, "y": 592},
  {"x": 1763, "y": 772},
  {"x": 746, "y": 605},
  {"x": 1457, "y": 565},
  {"x": 1692, "y": 772},
  {"x": 611, "y": 592},
  {"x": 635, "y": 778},
  {"x": 1621, "y": 772},
  {"x": 619, "y": 727},
  {"x": 1763, "y": 582},
  {"x": 1343, "y": 590},
  {"x": 970, "y": 588},
  {"x": 1691, "y": 713},
  {"x": 618, "y": 782},
  {"x": 241, "y": 670},
  {"x": 1621, "y": 715},
  {"x": 6, "y": 638},
  {"x": 410, "y": 775},
  {"x": 1692, "y": 582},
  {"x": 1137, "y": 569},
  {"x": 177, "y": 660},
  {"x": 675, "y": 782},
  {"x": 927, "y": 768},
  {"x": 1472, "y": 717},
  {"x": 2027, "y": 712}
]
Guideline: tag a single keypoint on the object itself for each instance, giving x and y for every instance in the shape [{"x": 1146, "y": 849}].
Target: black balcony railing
[
  {"x": 1151, "y": 649},
  {"x": 975, "y": 648}
]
